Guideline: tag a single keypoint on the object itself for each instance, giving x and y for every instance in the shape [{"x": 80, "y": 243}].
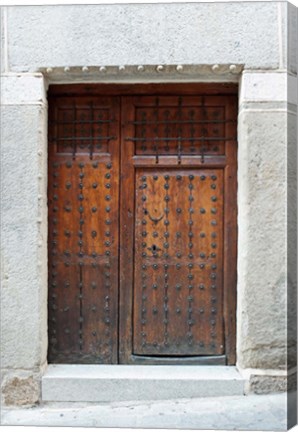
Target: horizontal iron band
[
  {"x": 80, "y": 122},
  {"x": 101, "y": 138},
  {"x": 178, "y": 139},
  {"x": 180, "y": 122}
]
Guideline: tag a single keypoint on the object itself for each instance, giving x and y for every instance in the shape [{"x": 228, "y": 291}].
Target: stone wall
[{"x": 253, "y": 43}]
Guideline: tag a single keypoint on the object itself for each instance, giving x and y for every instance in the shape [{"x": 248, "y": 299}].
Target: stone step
[{"x": 107, "y": 383}]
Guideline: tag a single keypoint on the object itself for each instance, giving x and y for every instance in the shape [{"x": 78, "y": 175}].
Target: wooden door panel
[
  {"x": 83, "y": 230},
  {"x": 178, "y": 262},
  {"x": 177, "y": 293}
]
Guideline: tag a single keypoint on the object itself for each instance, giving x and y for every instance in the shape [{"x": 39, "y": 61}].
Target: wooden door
[
  {"x": 83, "y": 195},
  {"x": 150, "y": 277}
]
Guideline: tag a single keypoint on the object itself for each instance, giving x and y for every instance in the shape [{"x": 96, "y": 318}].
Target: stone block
[
  {"x": 20, "y": 389},
  {"x": 264, "y": 86},
  {"x": 128, "y": 34},
  {"x": 265, "y": 384},
  {"x": 262, "y": 230},
  {"x": 262, "y": 137},
  {"x": 262, "y": 272},
  {"x": 98, "y": 383},
  {"x": 23, "y": 304},
  {"x": 23, "y": 89}
]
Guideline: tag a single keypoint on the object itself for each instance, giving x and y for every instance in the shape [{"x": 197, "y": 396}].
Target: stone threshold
[{"x": 111, "y": 383}]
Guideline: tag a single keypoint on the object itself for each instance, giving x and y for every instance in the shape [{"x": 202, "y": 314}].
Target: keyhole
[{"x": 154, "y": 248}]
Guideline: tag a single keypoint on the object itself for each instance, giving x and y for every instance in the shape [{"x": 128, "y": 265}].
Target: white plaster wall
[{"x": 53, "y": 36}]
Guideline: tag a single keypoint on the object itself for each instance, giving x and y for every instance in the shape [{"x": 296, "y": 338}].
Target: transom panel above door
[{"x": 142, "y": 225}]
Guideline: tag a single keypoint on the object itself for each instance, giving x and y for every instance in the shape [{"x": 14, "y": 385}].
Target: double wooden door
[{"x": 142, "y": 224}]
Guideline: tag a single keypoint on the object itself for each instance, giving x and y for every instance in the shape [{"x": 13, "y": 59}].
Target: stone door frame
[{"x": 264, "y": 111}]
